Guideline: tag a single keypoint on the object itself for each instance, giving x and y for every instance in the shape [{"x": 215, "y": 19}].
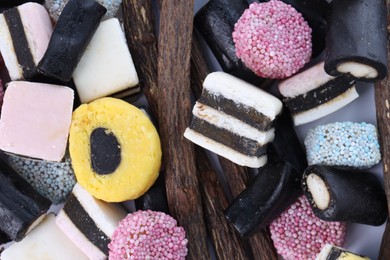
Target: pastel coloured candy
[
  {"x": 115, "y": 149},
  {"x": 70, "y": 38},
  {"x": 89, "y": 223},
  {"x": 106, "y": 66},
  {"x": 343, "y": 144},
  {"x": 353, "y": 197},
  {"x": 234, "y": 119},
  {"x": 35, "y": 120},
  {"x": 312, "y": 93},
  {"x": 21, "y": 207},
  {"x": 25, "y": 32},
  {"x": 46, "y": 240},
  {"x": 356, "y": 39}
]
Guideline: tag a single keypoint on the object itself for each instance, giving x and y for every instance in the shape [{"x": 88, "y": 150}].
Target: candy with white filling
[
  {"x": 71, "y": 36},
  {"x": 234, "y": 119},
  {"x": 331, "y": 252},
  {"x": 46, "y": 241},
  {"x": 35, "y": 120},
  {"x": 89, "y": 223},
  {"x": 336, "y": 195},
  {"x": 343, "y": 144},
  {"x": 24, "y": 36},
  {"x": 106, "y": 66},
  {"x": 21, "y": 207},
  {"x": 356, "y": 40},
  {"x": 312, "y": 93}
]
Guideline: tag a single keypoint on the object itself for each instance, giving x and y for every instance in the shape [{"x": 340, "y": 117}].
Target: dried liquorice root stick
[
  {"x": 237, "y": 176},
  {"x": 140, "y": 34},
  {"x": 226, "y": 241},
  {"x": 174, "y": 111},
  {"x": 382, "y": 102}
]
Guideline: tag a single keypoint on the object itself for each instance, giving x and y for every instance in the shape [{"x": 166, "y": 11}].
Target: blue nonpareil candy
[{"x": 343, "y": 144}]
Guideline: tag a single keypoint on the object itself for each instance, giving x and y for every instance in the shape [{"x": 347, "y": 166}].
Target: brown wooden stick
[
  {"x": 174, "y": 112},
  {"x": 237, "y": 176},
  {"x": 382, "y": 102},
  {"x": 138, "y": 21}
]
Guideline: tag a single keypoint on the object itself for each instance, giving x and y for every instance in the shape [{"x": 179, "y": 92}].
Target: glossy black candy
[
  {"x": 357, "y": 32},
  {"x": 355, "y": 197},
  {"x": 20, "y": 204},
  {"x": 71, "y": 36},
  {"x": 215, "y": 22},
  {"x": 155, "y": 198},
  {"x": 275, "y": 187}
]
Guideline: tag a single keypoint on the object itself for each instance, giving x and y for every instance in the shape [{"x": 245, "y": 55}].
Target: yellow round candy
[{"x": 139, "y": 148}]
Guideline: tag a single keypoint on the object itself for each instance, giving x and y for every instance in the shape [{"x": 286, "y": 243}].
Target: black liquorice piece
[
  {"x": 155, "y": 198},
  {"x": 4, "y": 238},
  {"x": 275, "y": 187},
  {"x": 11, "y": 3},
  {"x": 215, "y": 22},
  {"x": 345, "y": 196},
  {"x": 356, "y": 40},
  {"x": 21, "y": 207},
  {"x": 71, "y": 36},
  {"x": 315, "y": 13}
]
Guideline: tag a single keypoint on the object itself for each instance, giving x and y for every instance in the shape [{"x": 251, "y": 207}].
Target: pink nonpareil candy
[
  {"x": 298, "y": 234},
  {"x": 273, "y": 39}
]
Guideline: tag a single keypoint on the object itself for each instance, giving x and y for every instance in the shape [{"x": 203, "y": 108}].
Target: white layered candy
[
  {"x": 106, "y": 66},
  {"x": 89, "y": 222},
  {"x": 46, "y": 241},
  {"x": 219, "y": 124},
  {"x": 36, "y": 28}
]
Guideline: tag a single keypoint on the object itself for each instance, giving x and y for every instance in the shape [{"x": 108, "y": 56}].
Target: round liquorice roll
[
  {"x": 336, "y": 195},
  {"x": 115, "y": 149},
  {"x": 356, "y": 40}
]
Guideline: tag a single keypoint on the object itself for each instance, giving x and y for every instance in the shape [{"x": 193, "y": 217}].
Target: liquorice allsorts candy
[
  {"x": 115, "y": 149},
  {"x": 71, "y": 36},
  {"x": 312, "y": 93},
  {"x": 356, "y": 39},
  {"x": 336, "y": 195},
  {"x": 21, "y": 207},
  {"x": 25, "y": 32},
  {"x": 331, "y": 252}
]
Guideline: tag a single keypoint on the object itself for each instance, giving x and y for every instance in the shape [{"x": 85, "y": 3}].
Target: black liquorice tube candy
[
  {"x": 275, "y": 187},
  {"x": 315, "y": 13},
  {"x": 346, "y": 196},
  {"x": 71, "y": 36},
  {"x": 356, "y": 40},
  {"x": 155, "y": 198},
  {"x": 21, "y": 207},
  {"x": 215, "y": 22}
]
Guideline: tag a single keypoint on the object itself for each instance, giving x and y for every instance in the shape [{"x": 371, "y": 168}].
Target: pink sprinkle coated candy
[
  {"x": 272, "y": 39},
  {"x": 298, "y": 234},
  {"x": 148, "y": 235}
]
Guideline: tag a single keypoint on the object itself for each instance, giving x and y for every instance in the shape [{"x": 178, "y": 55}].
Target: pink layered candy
[
  {"x": 298, "y": 234},
  {"x": 272, "y": 39},
  {"x": 148, "y": 235},
  {"x": 35, "y": 120}
]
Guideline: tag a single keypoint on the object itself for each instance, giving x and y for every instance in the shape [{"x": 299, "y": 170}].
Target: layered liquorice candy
[
  {"x": 106, "y": 66},
  {"x": 115, "y": 149},
  {"x": 71, "y": 36},
  {"x": 89, "y": 223},
  {"x": 46, "y": 241},
  {"x": 312, "y": 93},
  {"x": 356, "y": 39},
  {"x": 276, "y": 186},
  {"x": 35, "y": 120},
  {"x": 22, "y": 208},
  {"x": 336, "y": 195},
  {"x": 234, "y": 119},
  {"x": 343, "y": 144},
  {"x": 215, "y": 22},
  {"x": 331, "y": 252},
  {"x": 25, "y": 32}
]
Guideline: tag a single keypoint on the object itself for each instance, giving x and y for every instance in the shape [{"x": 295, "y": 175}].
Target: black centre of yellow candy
[{"x": 105, "y": 151}]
